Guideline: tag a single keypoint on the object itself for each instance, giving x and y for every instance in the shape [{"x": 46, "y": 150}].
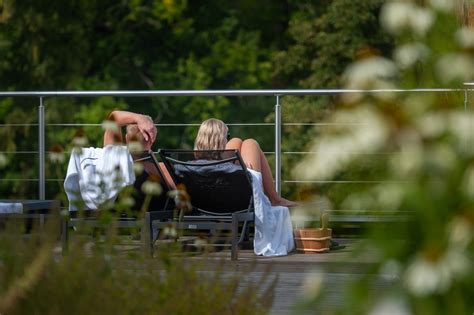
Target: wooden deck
[{"x": 297, "y": 273}]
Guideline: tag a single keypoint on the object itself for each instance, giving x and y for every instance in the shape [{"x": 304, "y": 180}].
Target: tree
[{"x": 324, "y": 39}]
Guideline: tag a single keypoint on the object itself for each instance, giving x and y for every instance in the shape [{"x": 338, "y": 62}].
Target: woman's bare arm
[{"x": 121, "y": 118}]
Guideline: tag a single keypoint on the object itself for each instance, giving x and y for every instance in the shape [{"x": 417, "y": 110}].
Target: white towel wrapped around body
[
  {"x": 273, "y": 228},
  {"x": 97, "y": 175}
]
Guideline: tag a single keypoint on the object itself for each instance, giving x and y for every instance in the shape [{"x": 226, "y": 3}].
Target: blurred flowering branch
[{"x": 429, "y": 170}]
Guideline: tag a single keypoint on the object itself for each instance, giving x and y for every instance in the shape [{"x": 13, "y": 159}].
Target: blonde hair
[{"x": 212, "y": 135}]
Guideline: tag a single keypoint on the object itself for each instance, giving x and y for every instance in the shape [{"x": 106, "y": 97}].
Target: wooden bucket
[{"x": 314, "y": 240}]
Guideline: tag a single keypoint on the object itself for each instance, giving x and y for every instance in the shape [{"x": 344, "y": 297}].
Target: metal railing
[{"x": 278, "y": 94}]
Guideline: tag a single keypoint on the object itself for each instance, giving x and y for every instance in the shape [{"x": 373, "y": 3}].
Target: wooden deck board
[
  {"x": 336, "y": 268},
  {"x": 295, "y": 271}
]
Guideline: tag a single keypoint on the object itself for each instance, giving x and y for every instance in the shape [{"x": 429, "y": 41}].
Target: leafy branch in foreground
[{"x": 429, "y": 170}]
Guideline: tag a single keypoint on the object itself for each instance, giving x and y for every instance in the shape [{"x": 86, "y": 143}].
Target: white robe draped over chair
[
  {"x": 273, "y": 228},
  {"x": 97, "y": 175}
]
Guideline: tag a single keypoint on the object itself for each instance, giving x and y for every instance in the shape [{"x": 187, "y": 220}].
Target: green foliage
[
  {"x": 107, "y": 45},
  {"x": 106, "y": 278},
  {"x": 427, "y": 172},
  {"x": 324, "y": 39}
]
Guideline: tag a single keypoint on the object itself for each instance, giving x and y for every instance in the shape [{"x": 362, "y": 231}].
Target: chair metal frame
[{"x": 209, "y": 220}]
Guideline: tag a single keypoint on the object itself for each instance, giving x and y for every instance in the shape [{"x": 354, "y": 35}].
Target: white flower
[
  {"x": 127, "y": 202},
  {"x": 407, "y": 55},
  {"x": 170, "y": 232},
  {"x": 410, "y": 157},
  {"x": 455, "y": 67},
  {"x": 181, "y": 198},
  {"x": 3, "y": 160},
  {"x": 57, "y": 157},
  {"x": 460, "y": 232},
  {"x": 335, "y": 150},
  {"x": 370, "y": 73},
  {"x": 312, "y": 284},
  {"x": 79, "y": 142},
  {"x": 458, "y": 263},
  {"x": 465, "y": 37},
  {"x": 421, "y": 20},
  {"x": 138, "y": 168},
  {"x": 358, "y": 201},
  {"x": 389, "y": 196},
  {"x": 461, "y": 125},
  {"x": 151, "y": 188},
  {"x": 424, "y": 277},
  {"x": 307, "y": 211},
  {"x": 417, "y": 104},
  {"x": 391, "y": 270},
  {"x": 391, "y": 306},
  {"x": 110, "y": 125},
  {"x": 135, "y": 146},
  {"x": 200, "y": 242},
  {"x": 395, "y": 16},
  {"x": 443, "y": 5},
  {"x": 442, "y": 157},
  {"x": 365, "y": 73},
  {"x": 300, "y": 216},
  {"x": 432, "y": 125}
]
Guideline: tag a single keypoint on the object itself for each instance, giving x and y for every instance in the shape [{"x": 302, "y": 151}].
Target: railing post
[
  {"x": 278, "y": 145},
  {"x": 41, "y": 152},
  {"x": 465, "y": 99},
  {"x": 467, "y": 90}
]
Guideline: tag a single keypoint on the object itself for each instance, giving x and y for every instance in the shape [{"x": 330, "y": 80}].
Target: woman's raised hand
[{"x": 147, "y": 128}]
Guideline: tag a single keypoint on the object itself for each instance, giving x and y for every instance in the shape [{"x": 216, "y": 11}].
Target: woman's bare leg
[
  {"x": 234, "y": 143},
  {"x": 255, "y": 159}
]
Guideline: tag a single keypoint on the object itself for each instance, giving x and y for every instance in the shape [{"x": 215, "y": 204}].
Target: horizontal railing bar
[
  {"x": 157, "y": 125},
  {"x": 30, "y": 179},
  {"x": 67, "y": 152},
  {"x": 326, "y": 152},
  {"x": 19, "y": 179},
  {"x": 369, "y": 210},
  {"x": 323, "y": 124},
  {"x": 341, "y": 181},
  {"x": 163, "y": 125},
  {"x": 18, "y": 125},
  {"x": 143, "y": 93},
  {"x": 265, "y": 152},
  {"x": 284, "y": 181},
  {"x": 186, "y": 125},
  {"x": 19, "y": 152}
]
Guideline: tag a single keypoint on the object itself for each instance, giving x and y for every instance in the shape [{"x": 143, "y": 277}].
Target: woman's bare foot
[{"x": 280, "y": 201}]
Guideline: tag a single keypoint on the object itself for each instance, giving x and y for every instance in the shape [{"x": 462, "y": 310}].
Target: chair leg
[
  {"x": 64, "y": 234},
  {"x": 235, "y": 244}
]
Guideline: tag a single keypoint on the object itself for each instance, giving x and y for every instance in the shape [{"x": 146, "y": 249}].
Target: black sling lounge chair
[
  {"x": 220, "y": 190},
  {"x": 160, "y": 207}
]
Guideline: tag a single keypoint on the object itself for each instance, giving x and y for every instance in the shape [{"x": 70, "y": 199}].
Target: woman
[
  {"x": 213, "y": 135},
  {"x": 273, "y": 230}
]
